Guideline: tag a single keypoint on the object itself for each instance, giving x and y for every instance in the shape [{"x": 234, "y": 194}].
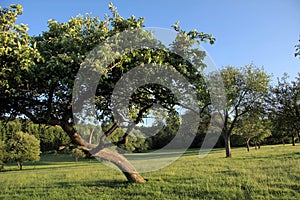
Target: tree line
[{"x": 39, "y": 73}]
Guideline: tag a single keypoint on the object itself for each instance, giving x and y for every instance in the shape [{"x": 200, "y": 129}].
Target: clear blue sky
[{"x": 262, "y": 32}]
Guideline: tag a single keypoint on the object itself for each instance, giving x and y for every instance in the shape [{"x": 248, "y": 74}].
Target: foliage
[
  {"x": 64, "y": 47},
  {"x": 77, "y": 153},
  {"x": 22, "y": 147},
  {"x": 246, "y": 89},
  {"x": 253, "y": 128},
  {"x": 285, "y": 101},
  {"x": 50, "y": 137},
  {"x": 17, "y": 55},
  {"x": 136, "y": 140}
]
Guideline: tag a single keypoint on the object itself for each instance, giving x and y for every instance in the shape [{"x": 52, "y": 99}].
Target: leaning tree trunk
[
  {"x": 122, "y": 163},
  {"x": 103, "y": 153}
]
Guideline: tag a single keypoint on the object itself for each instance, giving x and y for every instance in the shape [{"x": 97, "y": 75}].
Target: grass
[{"x": 272, "y": 172}]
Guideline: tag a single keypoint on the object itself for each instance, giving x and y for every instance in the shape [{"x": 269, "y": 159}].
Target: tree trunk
[
  {"x": 227, "y": 144},
  {"x": 106, "y": 154},
  {"x": 293, "y": 140},
  {"x": 255, "y": 144},
  {"x": 122, "y": 163},
  {"x": 248, "y": 145},
  {"x": 20, "y": 165},
  {"x": 91, "y": 134}
]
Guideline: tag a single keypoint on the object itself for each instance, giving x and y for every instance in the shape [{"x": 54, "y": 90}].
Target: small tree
[
  {"x": 77, "y": 153},
  {"x": 253, "y": 129},
  {"x": 23, "y": 147}
]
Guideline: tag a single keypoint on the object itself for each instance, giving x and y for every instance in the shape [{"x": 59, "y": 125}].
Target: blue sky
[{"x": 262, "y": 32}]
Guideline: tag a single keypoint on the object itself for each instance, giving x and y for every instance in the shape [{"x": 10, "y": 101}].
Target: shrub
[{"x": 77, "y": 153}]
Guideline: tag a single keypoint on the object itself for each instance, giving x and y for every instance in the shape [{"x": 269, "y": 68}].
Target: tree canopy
[
  {"x": 285, "y": 102},
  {"x": 48, "y": 65},
  {"x": 246, "y": 90},
  {"x": 22, "y": 147}
]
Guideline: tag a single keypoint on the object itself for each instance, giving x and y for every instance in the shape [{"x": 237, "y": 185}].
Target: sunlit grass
[{"x": 272, "y": 172}]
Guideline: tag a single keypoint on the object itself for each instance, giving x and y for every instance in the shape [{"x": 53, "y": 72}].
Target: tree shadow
[
  {"x": 37, "y": 168},
  {"x": 107, "y": 183}
]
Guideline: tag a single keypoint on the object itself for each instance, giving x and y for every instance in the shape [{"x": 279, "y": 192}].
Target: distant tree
[
  {"x": 246, "y": 88},
  {"x": 22, "y": 147},
  {"x": 77, "y": 153},
  {"x": 51, "y": 137},
  {"x": 253, "y": 127},
  {"x": 285, "y": 101}
]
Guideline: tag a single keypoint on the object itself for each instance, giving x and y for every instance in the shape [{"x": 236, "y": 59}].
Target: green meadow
[{"x": 273, "y": 172}]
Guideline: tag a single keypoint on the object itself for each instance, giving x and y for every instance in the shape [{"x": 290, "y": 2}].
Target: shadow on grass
[
  {"x": 283, "y": 156},
  {"x": 107, "y": 183},
  {"x": 36, "y": 168}
]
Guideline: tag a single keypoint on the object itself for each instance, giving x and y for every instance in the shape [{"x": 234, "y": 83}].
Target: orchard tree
[
  {"x": 246, "y": 88},
  {"x": 285, "y": 101},
  {"x": 22, "y": 147},
  {"x": 46, "y": 95},
  {"x": 253, "y": 127}
]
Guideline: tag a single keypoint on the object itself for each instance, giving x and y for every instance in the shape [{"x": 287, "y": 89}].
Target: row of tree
[
  {"x": 271, "y": 116},
  {"x": 39, "y": 81},
  {"x": 50, "y": 137}
]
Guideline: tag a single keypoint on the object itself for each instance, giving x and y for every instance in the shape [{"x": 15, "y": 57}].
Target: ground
[{"x": 273, "y": 172}]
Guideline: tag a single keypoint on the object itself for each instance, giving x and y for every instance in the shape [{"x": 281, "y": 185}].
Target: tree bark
[
  {"x": 91, "y": 134},
  {"x": 293, "y": 140},
  {"x": 103, "y": 153},
  {"x": 122, "y": 163},
  {"x": 248, "y": 145},
  {"x": 20, "y": 165},
  {"x": 226, "y": 136}
]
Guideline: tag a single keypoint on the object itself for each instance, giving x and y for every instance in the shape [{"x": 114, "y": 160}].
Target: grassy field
[{"x": 272, "y": 172}]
